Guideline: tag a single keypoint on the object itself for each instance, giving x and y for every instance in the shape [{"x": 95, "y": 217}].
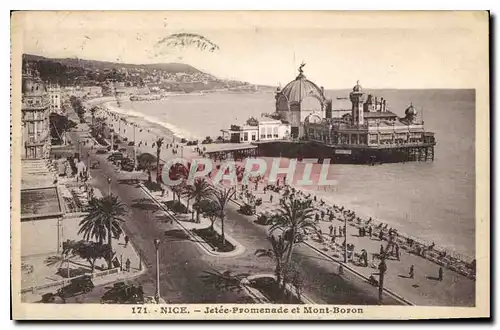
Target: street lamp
[
  {"x": 382, "y": 267},
  {"x": 109, "y": 186},
  {"x": 345, "y": 239},
  {"x": 157, "y": 294}
]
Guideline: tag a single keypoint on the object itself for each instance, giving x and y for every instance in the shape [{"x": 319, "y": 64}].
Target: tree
[
  {"x": 59, "y": 125},
  {"x": 93, "y": 110},
  {"x": 200, "y": 189},
  {"x": 104, "y": 218},
  {"x": 146, "y": 162},
  {"x": 277, "y": 253},
  {"x": 252, "y": 121},
  {"x": 159, "y": 143},
  {"x": 65, "y": 257},
  {"x": 209, "y": 209},
  {"x": 221, "y": 198},
  {"x": 294, "y": 218},
  {"x": 178, "y": 172}
]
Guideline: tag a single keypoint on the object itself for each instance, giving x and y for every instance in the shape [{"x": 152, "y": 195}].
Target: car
[
  {"x": 121, "y": 293},
  {"x": 127, "y": 165},
  {"x": 114, "y": 157},
  {"x": 101, "y": 151},
  {"x": 79, "y": 285}
]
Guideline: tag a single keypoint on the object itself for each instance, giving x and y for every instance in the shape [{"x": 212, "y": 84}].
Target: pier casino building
[{"x": 367, "y": 131}]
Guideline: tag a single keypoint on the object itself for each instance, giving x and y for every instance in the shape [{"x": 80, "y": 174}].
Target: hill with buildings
[{"x": 177, "y": 77}]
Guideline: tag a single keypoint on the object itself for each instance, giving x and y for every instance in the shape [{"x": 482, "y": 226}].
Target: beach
[{"x": 433, "y": 201}]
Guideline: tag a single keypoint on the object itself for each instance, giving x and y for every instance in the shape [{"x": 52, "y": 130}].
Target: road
[
  {"x": 184, "y": 271},
  {"x": 188, "y": 275}
]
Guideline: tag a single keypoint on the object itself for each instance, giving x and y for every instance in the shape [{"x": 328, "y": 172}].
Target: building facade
[
  {"x": 35, "y": 112},
  {"x": 55, "y": 95},
  {"x": 265, "y": 129},
  {"x": 369, "y": 124}
]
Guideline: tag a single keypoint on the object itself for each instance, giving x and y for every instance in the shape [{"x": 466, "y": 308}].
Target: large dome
[
  {"x": 33, "y": 86},
  {"x": 300, "y": 88}
]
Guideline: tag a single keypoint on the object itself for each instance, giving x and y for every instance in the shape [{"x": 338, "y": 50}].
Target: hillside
[{"x": 102, "y": 65}]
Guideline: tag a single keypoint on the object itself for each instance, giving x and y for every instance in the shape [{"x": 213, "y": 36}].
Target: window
[
  {"x": 254, "y": 137},
  {"x": 269, "y": 132},
  {"x": 275, "y": 132},
  {"x": 245, "y": 136}
]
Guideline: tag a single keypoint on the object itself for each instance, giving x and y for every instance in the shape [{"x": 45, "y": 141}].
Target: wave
[{"x": 174, "y": 130}]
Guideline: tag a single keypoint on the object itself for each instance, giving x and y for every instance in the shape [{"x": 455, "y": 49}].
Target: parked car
[
  {"x": 78, "y": 285},
  {"x": 127, "y": 164},
  {"x": 102, "y": 151},
  {"x": 121, "y": 293},
  {"x": 114, "y": 157}
]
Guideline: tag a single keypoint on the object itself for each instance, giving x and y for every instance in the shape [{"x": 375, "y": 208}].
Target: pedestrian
[
  {"x": 411, "y": 273},
  {"x": 127, "y": 265},
  {"x": 340, "y": 231},
  {"x": 331, "y": 229},
  {"x": 360, "y": 232},
  {"x": 381, "y": 250},
  {"x": 270, "y": 198},
  {"x": 370, "y": 231},
  {"x": 341, "y": 270},
  {"x": 380, "y": 235},
  {"x": 440, "y": 274},
  {"x": 398, "y": 256},
  {"x": 334, "y": 231},
  {"x": 126, "y": 240}
]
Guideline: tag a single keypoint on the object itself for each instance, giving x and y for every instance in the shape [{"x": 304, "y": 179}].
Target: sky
[{"x": 381, "y": 50}]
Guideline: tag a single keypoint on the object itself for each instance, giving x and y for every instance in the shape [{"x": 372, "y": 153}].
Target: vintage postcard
[{"x": 250, "y": 165}]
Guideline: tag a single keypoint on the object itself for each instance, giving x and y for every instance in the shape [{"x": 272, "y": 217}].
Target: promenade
[{"x": 423, "y": 289}]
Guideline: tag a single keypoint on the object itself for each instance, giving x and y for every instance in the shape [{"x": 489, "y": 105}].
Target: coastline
[{"x": 152, "y": 129}]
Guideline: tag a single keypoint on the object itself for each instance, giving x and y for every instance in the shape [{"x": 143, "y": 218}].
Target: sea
[{"x": 434, "y": 201}]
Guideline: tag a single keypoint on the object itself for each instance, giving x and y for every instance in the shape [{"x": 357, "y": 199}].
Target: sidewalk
[
  {"x": 423, "y": 289},
  {"x": 100, "y": 277}
]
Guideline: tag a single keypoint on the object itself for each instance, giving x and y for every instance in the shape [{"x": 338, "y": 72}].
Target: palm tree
[
  {"x": 93, "y": 110},
  {"x": 159, "y": 144},
  {"x": 178, "y": 172},
  {"x": 104, "y": 218},
  {"x": 277, "y": 254},
  {"x": 221, "y": 198},
  {"x": 65, "y": 257},
  {"x": 200, "y": 189},
  {"x": 146, "y": 161},
  {"x": 294, "y": 218}
]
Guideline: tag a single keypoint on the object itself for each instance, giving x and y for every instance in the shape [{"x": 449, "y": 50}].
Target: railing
[{"x": 67, "y": 281}]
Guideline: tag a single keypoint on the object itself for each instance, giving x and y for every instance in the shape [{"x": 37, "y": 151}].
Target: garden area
[
  {"x": 273, "y": 292},
  {"x": 214, "y": 239}
]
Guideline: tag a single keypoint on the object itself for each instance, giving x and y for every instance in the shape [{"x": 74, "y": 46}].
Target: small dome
[
  {"x": 313, "y": 119},
  {"x": 357, "y": 88},
  {"x": 411, "y": 111},
  {"x": 33, "y": 86}
]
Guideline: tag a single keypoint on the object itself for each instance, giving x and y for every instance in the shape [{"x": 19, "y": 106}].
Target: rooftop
[{"x": 40, "y": 202}]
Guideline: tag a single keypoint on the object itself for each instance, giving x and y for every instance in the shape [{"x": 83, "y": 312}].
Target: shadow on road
[
  {"x": 144, "y": 204},
  {"x": 130, "y": 182},
  {"x": 225, "y": 281},
  {"x": 177, "y": 235}
]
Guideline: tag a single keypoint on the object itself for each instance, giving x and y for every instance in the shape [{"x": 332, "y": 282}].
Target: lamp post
[
  {"x": 135, "y": 149},
  {"x": 382, "y": 267},
  {"x": 157, "y": 294},
  {"x": 109, "y": 186},
  {"x": 345, "y": 239}
]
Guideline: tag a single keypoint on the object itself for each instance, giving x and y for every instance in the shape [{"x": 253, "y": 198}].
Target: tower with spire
[{"x": 358, "y": 99}]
